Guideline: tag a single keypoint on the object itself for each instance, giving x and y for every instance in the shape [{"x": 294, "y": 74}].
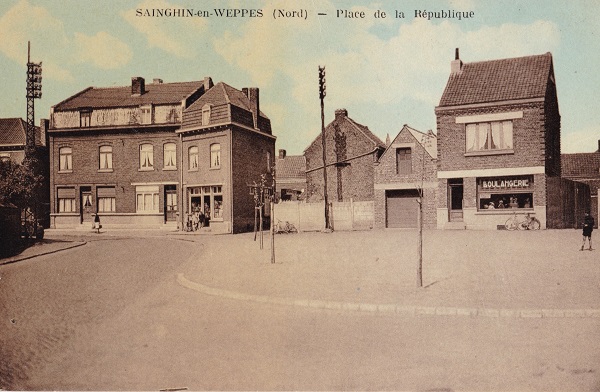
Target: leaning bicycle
[{"x": 528, "y": 223}]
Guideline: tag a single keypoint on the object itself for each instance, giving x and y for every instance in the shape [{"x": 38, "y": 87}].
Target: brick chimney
[
  {"x": 42, "y": 135},
  {"x": 208, "y": 83},
  {"x": 282, "y": 154},
  {"x": 339, "y": 113},
  {"x": 138, "y": 86},
  {"x": 253, "y": 96},
  {"x": 598, "y": 145},
  {"x": 456, "y": 64}
]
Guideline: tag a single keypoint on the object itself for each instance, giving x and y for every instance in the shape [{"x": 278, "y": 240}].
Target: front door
[
  {"x": 87, "y": 207},
  {"x": 455, "y": 200},
  {"x": 170, "y": 203}
]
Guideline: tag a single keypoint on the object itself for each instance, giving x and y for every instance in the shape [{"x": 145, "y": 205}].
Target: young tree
[{"x": 20, "y": 183}]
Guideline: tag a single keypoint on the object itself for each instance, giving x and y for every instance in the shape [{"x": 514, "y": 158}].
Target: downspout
[{"x": 230, "y": 150}]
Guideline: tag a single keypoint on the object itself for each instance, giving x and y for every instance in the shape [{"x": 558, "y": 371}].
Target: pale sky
[{"x": 386, "y": 72}]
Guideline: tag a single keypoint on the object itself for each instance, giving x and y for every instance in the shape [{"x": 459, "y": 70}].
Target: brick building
[
  {"x": 498, "y": 142},
  {"x": 13, "y": 135},
  {"x": 122, "y": 152},
  {"x": 406, "y": 167},
  {"x": 291, "y": 176},
  {"x": 228, "y": 144},
  {"x": 351, "y": 152}
]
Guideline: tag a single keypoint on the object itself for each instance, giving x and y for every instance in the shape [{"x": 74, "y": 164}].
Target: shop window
[
  {"x": 65, "y": 163},
  {"x": 147, "y": 199},
  {"x": 170, "y": 156},
  {"x": 66, "y": 200},
  {"x": 209, "y": 199},
  {"x": 489, "y": 136},
  {"x": 505, "y": 193},
  {"x": 215, "y": 156},
  {"x": 403, "y": 161},
  {"x": 193, "y": 158},
  {"x": 146, "y": 157},
  {"x": 106, "y": 158}
]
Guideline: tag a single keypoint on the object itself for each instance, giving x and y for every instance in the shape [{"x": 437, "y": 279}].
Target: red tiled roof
[
  {"x": 292, "y": 166},
  {"x": 581, "y": 165},
  {"x": 12, "y": 131},
  {"x": 499, "y": 80},
  {"x": 106, "y": 97}
]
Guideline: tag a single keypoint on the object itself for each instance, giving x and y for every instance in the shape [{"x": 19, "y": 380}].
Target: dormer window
[
  {"x": 85, "y": 118},
  {"x": 206, "y": 114},
  {"x": 146, "y": 114}
]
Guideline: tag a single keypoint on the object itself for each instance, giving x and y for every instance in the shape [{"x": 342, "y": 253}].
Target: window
[
  {"x": 489, "y": 136},
  {"x": 170, "y": 156},
  {"x": 215, "y": 155},
  {"x": 504, "y": 192},
  {"x": 206, "y": 114},
  {"x": 209, "y": 199},
  {"x": 146, "y": 157},
  {"x": 106, "y": 199},
  {"x": 403, "y": 161},
  {"x": 217, "y": 202},
  {"x": 85, "y": 118},
  {"x": 146, "y": 199},
  {"x": 65, "y": 163},
  {"x": 66, "y": 200},
  {"x": 106, "y": 161},
  {"x": 269, "y": 162},
  {"x": 193, "y": 158},
  {"x": 146, "y": 112}
]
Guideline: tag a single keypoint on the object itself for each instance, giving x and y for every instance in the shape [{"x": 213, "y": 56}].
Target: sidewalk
[
  {"x": 44, "y": 247},
  {"x": 473, "y": 273}
]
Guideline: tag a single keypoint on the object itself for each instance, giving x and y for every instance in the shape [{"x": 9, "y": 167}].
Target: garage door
[{"x": 402, "y": 208}]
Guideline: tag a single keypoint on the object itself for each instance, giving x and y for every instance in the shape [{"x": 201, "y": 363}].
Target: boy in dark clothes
[{"x": 588, "y": 227}]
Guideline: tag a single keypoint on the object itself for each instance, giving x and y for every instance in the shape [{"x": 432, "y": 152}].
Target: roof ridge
[
  {"x": 370, "y": 135},
  {"x": 510, "y": 58}
]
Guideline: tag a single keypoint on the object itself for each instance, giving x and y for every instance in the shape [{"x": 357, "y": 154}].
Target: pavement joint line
[{"x": 392, "y": 308}]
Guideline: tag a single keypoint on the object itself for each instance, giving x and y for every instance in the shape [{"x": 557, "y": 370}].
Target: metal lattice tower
[{"x": 34, "y": 90}]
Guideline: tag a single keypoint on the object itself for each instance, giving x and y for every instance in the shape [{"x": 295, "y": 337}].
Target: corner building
[{"x": 498, "y": 142}]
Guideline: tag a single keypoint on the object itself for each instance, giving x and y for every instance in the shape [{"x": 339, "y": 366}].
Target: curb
[
  {"x": 74, "y": 245},
  {"x": 392, "y": 308}
]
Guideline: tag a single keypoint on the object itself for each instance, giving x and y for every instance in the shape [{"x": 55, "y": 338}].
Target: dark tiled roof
[
  {"x": 370, "y": 135},
  {"x": 581, "y": 165},
  {"x": 12, "y": 131},
  {"x": 222, "y": 93},
  {"x": 292, "y": 166},
  {"x": 499, "y": 80},
  {"x": 106, "y": 97}
]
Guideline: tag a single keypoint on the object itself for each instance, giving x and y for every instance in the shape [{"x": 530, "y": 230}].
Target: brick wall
[
  {"x": 125, "y": 154},
  {"x": 351, "y": 181},
  {"x": 424, "y": 170},
  {"x": 249, "y": 161}
]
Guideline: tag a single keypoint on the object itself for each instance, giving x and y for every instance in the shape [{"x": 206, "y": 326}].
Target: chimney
[
  {"x": 42, "y": 136},
  {"x": 456, "y": 64},
  {"x": 208, "y": 83},
  {"x": 138, "y": 86},
  {"x": 341, "y": 113},
  {"x": 157, "y": 81},
  {"x": 253, "y": 97},
  {"x": 282, "y": 154},
  {"x": 387, "y": 140}
]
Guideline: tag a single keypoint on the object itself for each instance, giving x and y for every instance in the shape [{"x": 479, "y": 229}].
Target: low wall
[{"x": 311, "y": 216}]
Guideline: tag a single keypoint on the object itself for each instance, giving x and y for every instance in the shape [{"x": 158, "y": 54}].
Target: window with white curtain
[
  {"x": 489, "y": 136},
  {"x": 106, "y": 158}
]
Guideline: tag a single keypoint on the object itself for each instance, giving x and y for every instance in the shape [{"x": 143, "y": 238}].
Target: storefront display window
[
  {"x": 505, "y": 192},
  {"x": 209, "y": 199}
]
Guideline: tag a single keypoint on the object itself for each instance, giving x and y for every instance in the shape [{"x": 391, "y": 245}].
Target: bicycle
[
  {"x": 529, "y": 223},
  {"x": 284, "y": 227}
]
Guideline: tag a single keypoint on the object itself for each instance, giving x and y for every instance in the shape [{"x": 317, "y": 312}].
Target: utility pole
[
  {"x": 322, "y": 94},
  {"x": 34, "y": 91}
]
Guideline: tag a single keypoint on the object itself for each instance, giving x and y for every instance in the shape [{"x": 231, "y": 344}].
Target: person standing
[{"x": 588, "y": 227}]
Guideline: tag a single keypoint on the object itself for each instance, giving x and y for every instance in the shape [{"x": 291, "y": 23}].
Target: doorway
[
  {"x": 455, "y": 200},
  {"x": 86, "y": 207}
]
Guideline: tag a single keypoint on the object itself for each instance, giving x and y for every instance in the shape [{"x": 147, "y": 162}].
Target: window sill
[
  {"x": 193, "y": 170},
  {"x": 505, "y": 211},
  {"x": 169, "y": 168},
  {"x": 491, "y": 152},
  {"x": 215, "y": 168},
  {"x": 105, "y": 170},
  {"x": 65, "y": 171},
  {"x": 146, "y": 170}
]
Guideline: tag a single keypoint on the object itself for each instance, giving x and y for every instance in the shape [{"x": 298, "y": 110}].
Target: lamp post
[{"x": 322, "y": 94}]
